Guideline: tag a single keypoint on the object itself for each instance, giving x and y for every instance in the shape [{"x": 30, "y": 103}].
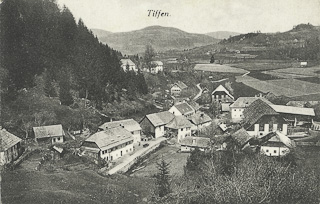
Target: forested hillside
[{"x": 46, "y": 54}]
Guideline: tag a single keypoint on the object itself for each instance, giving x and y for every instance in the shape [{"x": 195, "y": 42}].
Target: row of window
[
  {"x": 275, "y": 151},
  {"x": 117, "y": 147}
]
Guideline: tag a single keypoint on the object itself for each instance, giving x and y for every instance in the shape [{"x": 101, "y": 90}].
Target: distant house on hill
[
  {"x": 157, "y": 66},
  {"x": 221, "y": 94},
  {"x": 109, "y": 144},
  {"x": 180, "y": 126},
  {"x": 154, "y": 124},
  {"x": 237, "y": 108},
  {"x": 303, "y": 64},
  {"x": 127, "y": 64},
  {"x": 189, "y": 144},
  {"x": 183, "y": 109},
  {"x": 129, "y": 124},
  {"x": 54, "y": 133},
  {"x": 10, "y": 147},
  {"x": 177, "y": 87}
]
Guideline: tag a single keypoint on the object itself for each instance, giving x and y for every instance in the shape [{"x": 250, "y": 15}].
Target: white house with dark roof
[
  {"x": 55, "y": 133},
  {"x": 221, "y": 94},
  {"x": 109, "y": 144},
  {"x": 278, "y": 145},
  {"x": 156, "y": 67},
  {"x": 189, "y": 144},
  {"x": 129, "y": 124},
  {"x": 237, "y": 108},
  {"x": 183, "y": 109},
  {"x": 10, "y": 147},
  {"x": 177, "y": 87},
  {"x": 127, "y": 64},
  {"x": 180, "y": 126},
  {"x": 154, "y": 124}
]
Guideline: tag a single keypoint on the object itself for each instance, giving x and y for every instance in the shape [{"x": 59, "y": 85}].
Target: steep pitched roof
[
  {"x": 7, "y": 140},
  {"x": 221, "y": 88},
  {"x": 255, "y": 111},
  {"x": 184, "y": 108},
  {"x": 129, "y": 124},
  {"x": 243, "y": 102},
  {"x": 127, "y": 61},
  {"x": 161, "y": 118},
  {"x": 110, "y": 138},
  {"x": 293, "y": 110},
  {"x": 48, "y": 131},
  {"x": 179, "y": 122},
  {"x": 241, "y": 137},
  {"x": 200, "y": 118},
  {"x": 202, "y": 142},
  {"x": 181, "y": 84}
]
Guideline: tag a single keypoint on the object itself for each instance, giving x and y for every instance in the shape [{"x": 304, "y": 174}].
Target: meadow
[{"x": 218, "y": 68}]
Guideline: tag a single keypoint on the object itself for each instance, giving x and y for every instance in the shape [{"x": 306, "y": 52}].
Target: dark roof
[
  {"x": 241, "y": 137},
  {"x": 184, "y": 108},
  {"x": 255, "y": 111},
  {"x": 48, "y": 131},
  {"x": 128, "y": 124},
  {"x": 179, "y": 122},
  {"x": 7, "y": 140},
  {"x": 196, "y": 142},
  {"x": 200, "y": 118}
]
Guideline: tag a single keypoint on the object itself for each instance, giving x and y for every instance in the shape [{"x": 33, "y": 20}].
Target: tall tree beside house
[
  {"x": 149, "y": 54},
  {"x": 64, "y": 94},
  {"x": 163, "y": 178}
]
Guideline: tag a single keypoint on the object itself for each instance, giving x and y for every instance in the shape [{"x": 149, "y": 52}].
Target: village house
[
  {"x": 221, "y": 94},
  {"x": 156, "y": 67},
  {"x": 278, "y": 145},
  {"x": 260, "y": 119},
  {"x": 109, "y": 144},
  {"x": 177, "y": 87},
  {"x": 128, "y": 65},
  {"x": 129, "y": 124},
  {"x": 52, "y": 133},
  {"x": 200, "y": 120},
  {"x": 179, "y": 126},
  {"x": 237, "y": 108},
  {"x": 154, "y": 124},
  {"x": 189, "y": 144},
  {"x": 183, "y": 109},
  {"x": 10, "y": 147}
]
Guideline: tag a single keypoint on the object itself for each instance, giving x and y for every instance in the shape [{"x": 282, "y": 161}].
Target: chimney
[
  {"x": 193, "y": 141},
  {"x": 201, "y": 115}
]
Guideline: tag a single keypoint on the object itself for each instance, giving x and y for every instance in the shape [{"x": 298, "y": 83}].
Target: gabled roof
[
  {"x": 241, "y": 137},
  {"x": 179, "y": 122},
  {"x": 48, "y": 131},
  {"x": 200, "y": 118},
  {"x": 110, "y": 138},
  {"x": 184, "y": 108},
  {"x": 158, "y": 63},
  {"x": 161, "y": 118},
  {"x": 281, "y": 138},
  {"x": 243, "y": 102},
  {"x": 181, "y": 85},
  {"x": 129, "y": 124},
  {"x": 255, "y": 111},
  {"x": 221, "y": 88},
  {"x": 127, "y": 61},
  {"x": 7, "y": 140},
  {"x": 202, "y": 142},
  {"x": 293, "y": 110}
]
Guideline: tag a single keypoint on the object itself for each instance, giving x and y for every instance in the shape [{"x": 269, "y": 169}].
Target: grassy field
[
  {"x": 169, "y": 153},
  {"x": 309, "y": 71},
  {"x": 218, "y": 68},
  {"x": 263, "y": 65}
]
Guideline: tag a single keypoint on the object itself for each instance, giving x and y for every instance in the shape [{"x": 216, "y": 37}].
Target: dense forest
[{"x": 47, "y": 57}]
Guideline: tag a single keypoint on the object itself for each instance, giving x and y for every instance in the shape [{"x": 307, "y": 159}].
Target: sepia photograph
[{"x": 159, "y": 101}]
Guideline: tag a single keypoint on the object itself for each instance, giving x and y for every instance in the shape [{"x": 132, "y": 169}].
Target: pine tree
[
  {"x": 163, "y": 178},
  {"x": 65, "y": 95},
  {"x": 212, "y": 59}
]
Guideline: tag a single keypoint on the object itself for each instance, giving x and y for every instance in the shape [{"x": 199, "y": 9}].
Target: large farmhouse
[
  {"x": 200, "y": 120},
  {"x": 129, "y": 124},
  {"x": 180, "y": 126},
  {"x": 109, "y": 144},
  {"x": 10, "y": 147},
  {"x": 177, "y": 87},
  {"x": 183, "y": 109},
  {"x": 221, "y": 94},
  {"x": 128, "y": 65}
]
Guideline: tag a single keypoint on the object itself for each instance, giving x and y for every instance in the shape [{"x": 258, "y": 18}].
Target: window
[
  {"x": 58, "y": 138},
  {"x": 181, "y": 129},
  {"x": 267, "y": 150},
  {"x": 275, "y": 151}
]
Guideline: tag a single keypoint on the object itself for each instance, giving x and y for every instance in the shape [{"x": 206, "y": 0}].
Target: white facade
[
  {"x": 274, "y": 151},
  {"x": 157, "y": 69},
  {"x": 266, "y": 129},
  {"x": 159, "y": 131},
  {"x": 116, "y": 152},
  {"x": 182, "y": 133},
  {"x": 57, "y": 139},
  {"x": 136, "y": 136},
  {"x": 236, "y": 113},
  {"x": 175, "y": 90},
  {"x": 175, "y": 111}
]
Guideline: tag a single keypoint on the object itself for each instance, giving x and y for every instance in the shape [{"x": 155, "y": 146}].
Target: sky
[{"x": 196, "y": 16}]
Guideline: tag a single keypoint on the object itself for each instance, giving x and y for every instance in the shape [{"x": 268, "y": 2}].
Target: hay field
[{"x": 218, "y": 68}]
